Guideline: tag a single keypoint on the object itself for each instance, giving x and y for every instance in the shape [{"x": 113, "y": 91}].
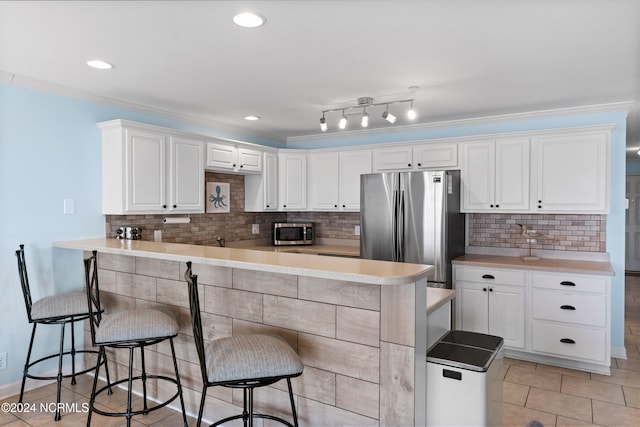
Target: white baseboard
[{"x": 619, "y": 352}]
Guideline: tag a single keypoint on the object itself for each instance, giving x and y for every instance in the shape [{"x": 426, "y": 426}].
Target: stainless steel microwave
[{"x": 288, "y": 233}]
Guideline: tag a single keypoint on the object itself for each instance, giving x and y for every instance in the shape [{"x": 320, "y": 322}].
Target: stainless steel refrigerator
[{"x": 413, "y": 217}]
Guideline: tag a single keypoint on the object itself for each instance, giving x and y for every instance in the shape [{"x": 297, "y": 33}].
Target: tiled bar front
[{"x": 358, "y": 341}]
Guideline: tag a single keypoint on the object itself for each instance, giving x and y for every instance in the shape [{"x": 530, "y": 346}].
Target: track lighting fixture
[{"x": 361, "y": 108}]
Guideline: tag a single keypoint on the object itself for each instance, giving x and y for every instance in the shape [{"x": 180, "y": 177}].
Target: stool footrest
[
  {"x": 136, "y": 412},
  {"x": 66, "y": 353}
]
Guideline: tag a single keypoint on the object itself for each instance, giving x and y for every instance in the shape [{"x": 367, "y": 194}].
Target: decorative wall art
[{"x": 218, "y": 197}]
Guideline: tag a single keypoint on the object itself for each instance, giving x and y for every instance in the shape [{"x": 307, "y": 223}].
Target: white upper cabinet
[
  {"x": 352, "y": 165},
  {"x": 292, "y": 181},
  {"x": 187, "y": 180},
  {"x": 324, "y": 183},
  {"x": 398, "y": 158},
  {"x": 572, "y": 172},
  {"x": 495, "y": 176},
  {"x": 334, "y": 179},
  {"x": 435, "y": 156},
  {"x": 261, "y": 190},
  {"x": 426, "y": 155},
  {"x": 146, "y": 170},
  {"x": 227, "y": 157}
]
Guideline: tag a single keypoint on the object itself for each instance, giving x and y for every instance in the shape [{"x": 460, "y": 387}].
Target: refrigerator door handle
[
  {"x": 394, "y": 243},
  {"x": 400, "y": 229}
]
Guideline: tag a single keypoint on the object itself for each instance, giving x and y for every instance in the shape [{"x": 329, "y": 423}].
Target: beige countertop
[
  {"x": 549, "y": 264},
  {"x": 326, "y": 267},
  {"x": 436, "y": 297}
]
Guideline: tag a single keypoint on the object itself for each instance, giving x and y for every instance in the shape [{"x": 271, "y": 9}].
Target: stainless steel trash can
[{"x": 464, "y": 380}]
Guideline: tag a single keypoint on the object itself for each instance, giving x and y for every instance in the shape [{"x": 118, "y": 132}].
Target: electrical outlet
[
  {"x": 255, "y": 229},
  {"x": 357, "y": 230},
  {"x": 3, "y": 361}
]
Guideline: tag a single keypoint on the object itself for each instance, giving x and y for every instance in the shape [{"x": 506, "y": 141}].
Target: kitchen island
[{"x": 358, "y": 325}]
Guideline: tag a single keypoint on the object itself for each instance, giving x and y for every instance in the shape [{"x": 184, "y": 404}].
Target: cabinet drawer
[
  {"x": 582, "y": 309},
  {"x": 490, "y": 275},
  {"x": 570, "y": 341},
  {"x": 570, "y": 282}
]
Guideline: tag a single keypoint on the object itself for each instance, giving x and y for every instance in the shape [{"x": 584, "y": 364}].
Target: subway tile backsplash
[{"x": 584, "y": 233}]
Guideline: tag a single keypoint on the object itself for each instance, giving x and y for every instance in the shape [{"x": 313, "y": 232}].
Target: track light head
[
  {"x": 388, "y": 116},
  {"x": 323, "y": 124},
  {"x": 342, "y": 123},
  {"x": 411, "y": 114},
  {"x": 365, "y": 119}
]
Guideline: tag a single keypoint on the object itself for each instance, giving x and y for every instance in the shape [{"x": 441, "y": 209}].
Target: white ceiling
[{"x": 470, "y": 58}]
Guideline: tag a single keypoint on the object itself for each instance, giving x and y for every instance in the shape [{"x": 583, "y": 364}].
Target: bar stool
[
  {"x": 59, "y": 309},
  {"x": 130, "y": 329},
  {"x": 242, "y": 361}
]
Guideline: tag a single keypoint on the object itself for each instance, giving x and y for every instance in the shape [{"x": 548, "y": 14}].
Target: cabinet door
[
  {"x": 572, "y": 173},
  {"x": 512, "y": 175},
  {"x": 390, "y": 159},
  {"x": 478, "y": 176},
  {"x": 292, "y": 181},
  {"x": 323, "y": 184},
  {"x": 506, "y": 314},
  {"x": 249, "y": 160},
  {"x": 352, "y": 165},
  {"x": 146, "y": 171},
  {"x": 186, "y": 175},
  {"x": 221, "y": 156},
  {"x": 472, "y": 307},
  {"x": 270, "y": 181},
  {"x": 435, "y": 156}
]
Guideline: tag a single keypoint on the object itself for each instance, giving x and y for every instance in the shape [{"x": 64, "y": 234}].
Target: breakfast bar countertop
[{"x": 327, "y": 267}]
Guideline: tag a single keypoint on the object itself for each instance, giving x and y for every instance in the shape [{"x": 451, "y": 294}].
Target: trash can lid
[
  {"x": 474, "y": 339},
  {"x": 461, "y": 356}
]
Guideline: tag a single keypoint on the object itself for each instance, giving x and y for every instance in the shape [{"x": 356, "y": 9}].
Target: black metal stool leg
[
  {"x": 73, "y": 354},
  {"x": 59, "y": 378},
  {"x": 251, "y": 406},
  {"x": 293, "y": 405},
  {"x": 26, "y": 364},
  {"x": 92, "y": 399},
  {"x": 201, "y": 410},
  {"x": 144, "y": 381},
  {"x": 175, "y": 367},
  {"x": 129, "y": 390}
]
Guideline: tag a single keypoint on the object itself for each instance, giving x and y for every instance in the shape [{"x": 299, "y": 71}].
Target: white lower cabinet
[
  {"x": 492, "y": 302},
  {"x": 550, "y": 317},
  {"x": 570, "y": 316}
]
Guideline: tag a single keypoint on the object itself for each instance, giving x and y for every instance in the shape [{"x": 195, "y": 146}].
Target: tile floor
[{"x": 552, "y": 396}]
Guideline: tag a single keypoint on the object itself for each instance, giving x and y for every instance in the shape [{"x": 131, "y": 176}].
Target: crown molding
[
  {"x": 624, "y": 106},
  {"x": 13, "y": 79}
]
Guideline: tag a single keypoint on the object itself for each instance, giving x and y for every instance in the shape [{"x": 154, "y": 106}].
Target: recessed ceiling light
[
  {"x": 101, "y": 65},
  {"x": 252, "y": 118},
  {"x": 249, "y": 20}
]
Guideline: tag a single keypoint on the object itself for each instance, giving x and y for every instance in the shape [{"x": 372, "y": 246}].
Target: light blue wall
[{"x": 50, "y": 151}]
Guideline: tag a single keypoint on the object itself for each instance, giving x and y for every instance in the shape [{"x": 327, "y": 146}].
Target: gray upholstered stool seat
[
  {"x": 250, "y": 356},
  {"x": 134, "y": 325},
  {"x": 61, "y": 305}
]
